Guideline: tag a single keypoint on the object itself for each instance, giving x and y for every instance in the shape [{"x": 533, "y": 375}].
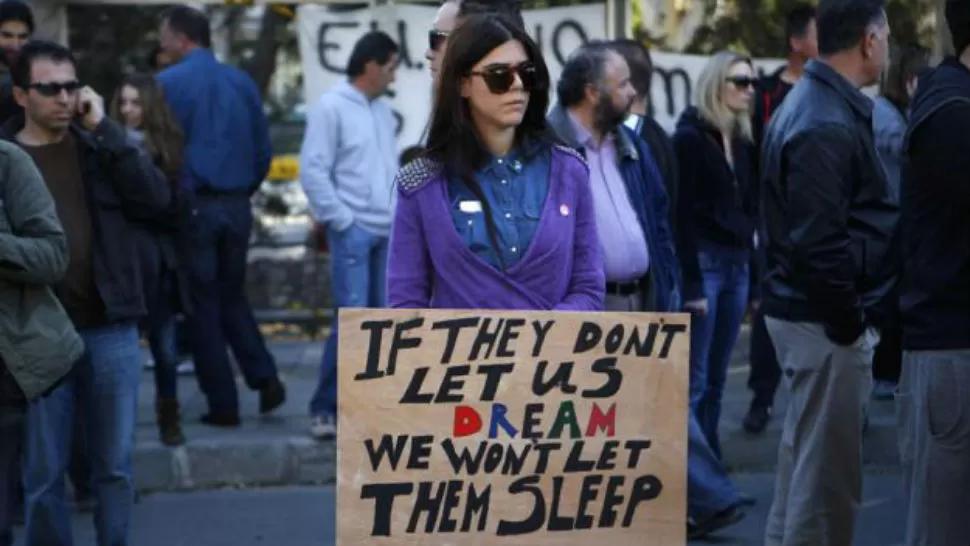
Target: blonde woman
[{"x": 715, "y": 219}]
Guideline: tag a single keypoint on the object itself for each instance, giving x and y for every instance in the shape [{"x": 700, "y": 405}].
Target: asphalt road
[{"x": 305, "y": 517}]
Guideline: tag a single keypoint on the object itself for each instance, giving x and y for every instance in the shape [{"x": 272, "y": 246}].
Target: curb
[
  {"x": 299, "y": 460},
  {"x": 207, "y": 464}
]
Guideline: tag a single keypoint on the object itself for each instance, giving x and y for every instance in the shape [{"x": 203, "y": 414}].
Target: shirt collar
[
  {"x": 584, "y": 137},
  {"x": 198, "y": 54},
  {"x": 826, "y": 74}
]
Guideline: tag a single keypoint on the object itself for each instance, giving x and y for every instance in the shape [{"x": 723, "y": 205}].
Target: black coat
[
  {"x": 161, "y": 249},
  {"x": 830, "y": 216},
  {"x": 123, "y": 187}
]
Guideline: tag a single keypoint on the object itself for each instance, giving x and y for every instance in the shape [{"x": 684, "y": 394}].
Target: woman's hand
[{"x": 697, "y": 306}]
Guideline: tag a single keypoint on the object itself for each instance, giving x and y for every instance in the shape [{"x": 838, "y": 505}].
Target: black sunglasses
[
  {"x": 742, "y": 81},
  {"x": 436, "y": 38},
  {"x": 499, "y": 78},
  {"x": 52, "y": 89}
]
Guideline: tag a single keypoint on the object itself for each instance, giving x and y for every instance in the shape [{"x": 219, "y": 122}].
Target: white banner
[
  {"x": 674, "y": 78},
  {"x": 326, "y": 39}
]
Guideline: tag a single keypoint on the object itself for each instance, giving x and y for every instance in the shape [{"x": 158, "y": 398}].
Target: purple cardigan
[{"x": 429, "y": 267}]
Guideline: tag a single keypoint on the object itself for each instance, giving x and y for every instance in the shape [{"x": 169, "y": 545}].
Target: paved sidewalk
[{"x": 277, "y": 450}]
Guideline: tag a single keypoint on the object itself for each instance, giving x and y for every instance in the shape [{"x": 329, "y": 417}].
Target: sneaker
[
  {"x": 323, "y": 427},
  {"x": 186, "y": 367}
]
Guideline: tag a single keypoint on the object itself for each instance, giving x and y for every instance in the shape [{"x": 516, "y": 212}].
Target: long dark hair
[
  {"x": 453, "y": 138},
  {"x": 163, "y": 136},
  {"x": 905, "y": 63}
]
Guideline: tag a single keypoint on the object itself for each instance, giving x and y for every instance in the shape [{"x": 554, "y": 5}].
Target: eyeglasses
[
  {"x": 436, "y": 38},
  {"x": 53, "y": 89},
  {"x": 742, "y": 82},
  {"x": 499, "y": 78}
]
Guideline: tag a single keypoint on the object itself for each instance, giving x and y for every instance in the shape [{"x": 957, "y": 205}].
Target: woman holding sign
[{"x": 495, "y": 215}]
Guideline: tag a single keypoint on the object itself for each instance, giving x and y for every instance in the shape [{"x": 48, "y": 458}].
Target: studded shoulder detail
[
  {"x": 571, "y": 151},
  {"x": 416, "y": 174}
]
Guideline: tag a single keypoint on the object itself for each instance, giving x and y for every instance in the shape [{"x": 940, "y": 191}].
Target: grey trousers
[
  {"x": 934, "y": 430},
  {"x": 818, "y": 486}
]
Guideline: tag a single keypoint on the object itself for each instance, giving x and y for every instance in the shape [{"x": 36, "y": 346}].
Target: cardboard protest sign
[{"x": 502, "y": 428}]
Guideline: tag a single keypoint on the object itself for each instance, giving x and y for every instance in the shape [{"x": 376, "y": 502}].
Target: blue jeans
[
  {"x": 218, "y": 244},
  {"x": 103, "y": 387},
  {"x": 709, "y": 490},
  {"x": 358, "y": 261},
  {"x": 714, "y": 335},
  {"x": 160, "y": 327}
]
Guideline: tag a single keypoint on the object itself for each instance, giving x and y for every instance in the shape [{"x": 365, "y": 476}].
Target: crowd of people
[
  {"x": 120, "y": 217},
  {"x": 794, "y": 199},
  {"x": 837, "y": 222}
]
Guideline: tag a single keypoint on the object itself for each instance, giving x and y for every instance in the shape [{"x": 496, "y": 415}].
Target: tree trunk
[
  {"x": 263, "y": 63},
  {"x": 943, "y": 44}
]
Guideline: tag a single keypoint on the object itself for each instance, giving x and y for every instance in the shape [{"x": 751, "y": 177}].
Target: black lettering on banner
[
  {"x": 558, "y": 51},
  {"x": 668, "y": 76},
  {"x": 403, "y": 52},
  {"x": 324, "y": 47}
]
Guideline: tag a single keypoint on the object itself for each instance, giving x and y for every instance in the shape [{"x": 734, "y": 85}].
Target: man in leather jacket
[{"x": 832, "y": 262}]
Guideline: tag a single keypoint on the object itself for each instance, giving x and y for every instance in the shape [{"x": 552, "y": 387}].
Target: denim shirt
[
  {"x": 218, "y": 107},
  {"x": 515, "y": 187}
]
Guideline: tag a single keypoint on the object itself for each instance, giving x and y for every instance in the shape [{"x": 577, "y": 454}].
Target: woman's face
[
  {"x": 130, "y": 107},
  {"x": 497, "y": 89},
  {"x": 739, "y": 87}
]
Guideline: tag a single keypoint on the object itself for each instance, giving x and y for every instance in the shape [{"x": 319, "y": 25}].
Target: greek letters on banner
[{"x": 327, "y": 38}]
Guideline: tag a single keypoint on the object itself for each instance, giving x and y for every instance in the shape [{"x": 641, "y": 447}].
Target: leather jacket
[{"x": 829, "y": 214}]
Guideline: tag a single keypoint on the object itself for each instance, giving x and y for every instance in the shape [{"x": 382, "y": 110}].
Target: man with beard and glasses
[
  {"x": 16, "y": 27},
  {"x": 632, "y": 218},
  {"x": 595, "y": 95}
]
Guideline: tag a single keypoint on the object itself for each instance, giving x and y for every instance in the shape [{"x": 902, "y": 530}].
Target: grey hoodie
[{"x": 349, "y": 159}]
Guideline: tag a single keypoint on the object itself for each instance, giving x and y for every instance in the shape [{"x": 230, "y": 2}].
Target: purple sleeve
[
  {"x": 408, "y": 262},
  {"x": 587, "y": 283}
]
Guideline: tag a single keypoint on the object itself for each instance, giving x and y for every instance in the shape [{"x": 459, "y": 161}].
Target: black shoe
[
  {"x": 224, "y": 420},
  {"x": 757, "y": 418},
  {"x": 722, "y": 519},
  {"x": 271, "y": 396}
]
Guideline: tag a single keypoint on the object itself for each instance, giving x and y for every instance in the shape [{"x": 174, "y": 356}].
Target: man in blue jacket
[
  {"x": 227, "y": 156},
  {"x": 595, "y": 95}
]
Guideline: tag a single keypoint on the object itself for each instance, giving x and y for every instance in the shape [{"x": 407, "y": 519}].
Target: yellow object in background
[{"x": 284, "y": 168}]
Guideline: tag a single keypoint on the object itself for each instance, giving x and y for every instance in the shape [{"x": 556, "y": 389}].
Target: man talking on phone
[{"x": 99, "y": 182}]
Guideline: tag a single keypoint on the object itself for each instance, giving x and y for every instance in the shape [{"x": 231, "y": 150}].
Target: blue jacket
[
  {"x": 645, "y": 187},
  {"x": 221, "y": 113}
]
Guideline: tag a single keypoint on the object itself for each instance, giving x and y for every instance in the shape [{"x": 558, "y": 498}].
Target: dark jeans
[
  {"x": 218, "y": 243},
  {"x": 709, "y": 489},
  {"x": 103, "y": 388},
  {"x": 765, "y": 372},
  {"x": 714, "y": 335},
  {"x": 11, "y": 439},
  {"x": 160, "y": 329}
]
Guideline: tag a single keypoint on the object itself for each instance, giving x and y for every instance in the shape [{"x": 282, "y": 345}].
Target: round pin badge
[{"x": 564, "y": 210}]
